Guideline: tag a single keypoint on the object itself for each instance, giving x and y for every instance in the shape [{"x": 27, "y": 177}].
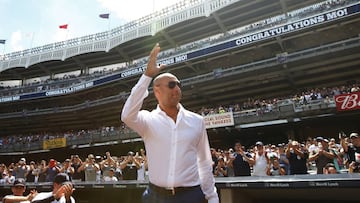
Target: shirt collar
[{"x": 158, "y": 110}]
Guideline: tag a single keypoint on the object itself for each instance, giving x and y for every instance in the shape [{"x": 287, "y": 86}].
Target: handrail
[{"x": 142, "y": 27}]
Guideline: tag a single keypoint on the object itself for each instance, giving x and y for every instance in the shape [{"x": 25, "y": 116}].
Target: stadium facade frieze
[{"x": 217, "y": 48}]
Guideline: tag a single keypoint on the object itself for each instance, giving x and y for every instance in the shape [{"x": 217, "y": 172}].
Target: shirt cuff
[
  {"x": 213, "y": 200},
  {"x": 145, "y": 77},
  {"x": 144, "y": 81}
]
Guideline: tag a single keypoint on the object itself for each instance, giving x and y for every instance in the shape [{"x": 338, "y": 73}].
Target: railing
[
  {"x": 145, "y": 26},
  {"x": 90, "y": 139},
  {"x": 104, "y": 41}
]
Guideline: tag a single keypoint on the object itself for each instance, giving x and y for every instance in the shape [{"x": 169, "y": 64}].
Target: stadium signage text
[
  {"x": 68, "y": 90},
  {"x": 292, "y": 26},
  {"x": 7, "y": 99},
  {"x": 54, "y": 143},
  {"x": 132, "y": 72},
  {"x": 277, "y": 185},
  {"x": 347, "y": 102},
  {"x": 219, "y": 120},
  {"x": 327, "y": 184},
  {"x": 140, "y": 70}
]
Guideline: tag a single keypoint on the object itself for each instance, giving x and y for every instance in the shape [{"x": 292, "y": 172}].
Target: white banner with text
[{"x": 219, "y": 120}]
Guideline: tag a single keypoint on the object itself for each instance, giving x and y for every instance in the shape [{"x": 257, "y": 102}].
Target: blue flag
[{"x": 105, "y": 15}]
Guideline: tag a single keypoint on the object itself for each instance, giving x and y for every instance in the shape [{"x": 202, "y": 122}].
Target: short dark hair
[
  {"x": 61, "y": 178},
  {"x": 19, "y": 182}
]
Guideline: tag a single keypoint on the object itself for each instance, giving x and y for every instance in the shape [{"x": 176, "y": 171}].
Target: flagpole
[
  {"x": 32, "y": 39},
  {"x": 67, "y": 32},
  {"x": 3, "y": 52},
  {"x": 109, "y": 23},
  {"x": 108, "y": 31}
]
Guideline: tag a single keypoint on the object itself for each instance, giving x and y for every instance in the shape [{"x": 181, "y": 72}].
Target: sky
[{"x": 30, "y": 23}]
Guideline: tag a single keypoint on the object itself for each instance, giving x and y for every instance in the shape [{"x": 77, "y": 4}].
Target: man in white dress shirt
[{"x": 178, "y": 152}]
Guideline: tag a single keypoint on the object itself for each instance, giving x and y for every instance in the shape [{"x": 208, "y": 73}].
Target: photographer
[
  {"x": 221, "y": 169},
  {"x": 22, "y": 169},
  {"x": 76, "y": 163},
  {"x": 130, "y": 167},
  {"x": 90, "y": 167},
  {"x": 274, "y": 168},
  {"x": 323, "y": 155},
  {"x": 51, "y": 170},
  {"x": 241, "y": 161},
  {"x": 67, "y": 168},
  {"x": 107, "y": 164},
  {"x": 353, "y": 151},
  {"x": 297, "y": 158}
]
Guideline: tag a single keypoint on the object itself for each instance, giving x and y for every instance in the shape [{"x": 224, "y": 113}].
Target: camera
[{"x": 342, "y": 134}]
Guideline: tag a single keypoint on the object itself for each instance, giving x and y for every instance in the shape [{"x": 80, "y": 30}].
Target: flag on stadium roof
[
  {"x": 63, "y": 26},
  {"x": 104, "y": 15},
  {"x": 2, "y": 41}
]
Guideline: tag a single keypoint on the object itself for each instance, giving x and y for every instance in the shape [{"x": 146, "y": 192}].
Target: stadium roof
[{"x": 238, "y": 14}]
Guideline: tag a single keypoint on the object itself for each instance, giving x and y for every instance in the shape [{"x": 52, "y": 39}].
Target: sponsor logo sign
[{"x": 348, "y": 102}]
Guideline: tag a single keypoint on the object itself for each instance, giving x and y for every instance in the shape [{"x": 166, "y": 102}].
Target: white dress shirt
[
  {"x": 178, "y": 153},
  {"x": 45, "y": 195},
  {"x": 11, "y": 197}
]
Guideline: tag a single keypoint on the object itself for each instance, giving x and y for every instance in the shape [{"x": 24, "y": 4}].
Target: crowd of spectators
[
  {"x": 258, "y": 160},
  {"x": 313, "y": 156},
  {"x": 68, "y": 80},
  {"x": 317, "y": 155},
  {"x": 93, "y": 168},
  {"x": 28, "y": 139},
  {"x": 301, "y": 98},
  {"x": 258, "y": 105}
]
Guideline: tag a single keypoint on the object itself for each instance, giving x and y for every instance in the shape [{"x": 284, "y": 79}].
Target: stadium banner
[
  {"x": 348, "y": 102},
  {"x": 68, "y": 90},
  {"x": 54, "y": 143},
  {"x": 10, "y": 98},
  {"x": 219, "y": 120}
]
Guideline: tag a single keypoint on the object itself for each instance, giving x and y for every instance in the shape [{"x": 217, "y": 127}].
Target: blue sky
[{"x": 32, "y": 23}]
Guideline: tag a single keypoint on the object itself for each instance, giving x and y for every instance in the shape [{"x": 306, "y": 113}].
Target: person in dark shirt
[
  {"x": 214, "y": 157},
  {"x": 297, "y": 158},
  {"x": 241, "y": 161},
  {"x": 353, "y": 151},
  {"x": 129, "y": 167},
  {"x": 323, "y": 155},
  {"x": 76, "y": 163}
]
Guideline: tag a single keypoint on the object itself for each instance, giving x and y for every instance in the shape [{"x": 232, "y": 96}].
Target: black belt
[{"x": 171, "y": 190}]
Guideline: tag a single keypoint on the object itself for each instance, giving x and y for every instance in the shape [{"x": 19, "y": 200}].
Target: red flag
[{"x": 63, "y": 26}]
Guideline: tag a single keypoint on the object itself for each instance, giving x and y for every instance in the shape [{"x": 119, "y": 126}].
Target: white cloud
[
  {"x": 15, "y": 41},
  {"x": 46, "y": 16},
  {"x": 134, "y": 9},
  {"x": 128, "y": 11},
  {"x": 60, "y": 35}
]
